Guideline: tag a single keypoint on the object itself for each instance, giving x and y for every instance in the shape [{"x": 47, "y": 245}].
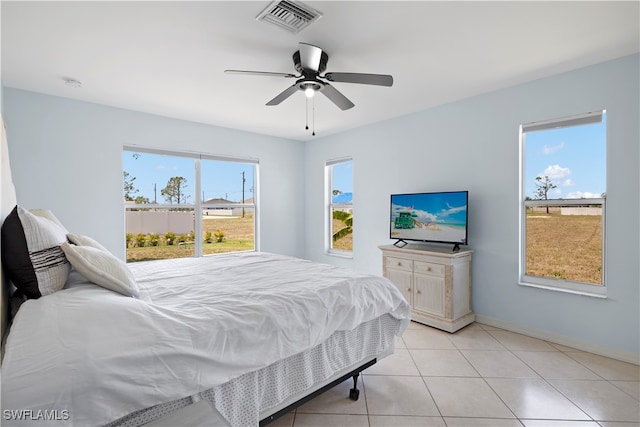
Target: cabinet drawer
[
  {"x": 399, "y": 263},
  {"x": 429, "y": 268}
]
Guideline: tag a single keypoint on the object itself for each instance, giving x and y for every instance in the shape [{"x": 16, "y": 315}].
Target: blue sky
[
  {"x": 574, "y": 159},
  {"x": 343, "y": 177},
  {"x": 219, "y": 179},
  {"x": 449, "y": 208}
]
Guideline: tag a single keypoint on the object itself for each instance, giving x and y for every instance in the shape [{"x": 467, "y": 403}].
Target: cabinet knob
[
  {"x": 418, "y": 291},
  {"x": 408, "y": 289},
  {"x": 399, "y": 264}
]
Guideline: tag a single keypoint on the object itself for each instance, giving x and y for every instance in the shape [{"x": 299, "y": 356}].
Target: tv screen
[{"x": 430, "y": 217}]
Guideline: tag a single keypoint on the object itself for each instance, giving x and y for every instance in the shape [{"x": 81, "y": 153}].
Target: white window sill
[
  {"x": 598, "y": 291},
  {"x": 340, "y": 254}
]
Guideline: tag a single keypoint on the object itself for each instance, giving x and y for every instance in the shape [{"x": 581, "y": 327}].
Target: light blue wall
[
  {"x": 67, "y": 157},
  {"x": 473, "y": 145}
]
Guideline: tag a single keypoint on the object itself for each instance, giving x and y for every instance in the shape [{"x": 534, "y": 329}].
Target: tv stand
[
  {"x": 435, "y": 281},
  {"x": 400, "y": 243}
]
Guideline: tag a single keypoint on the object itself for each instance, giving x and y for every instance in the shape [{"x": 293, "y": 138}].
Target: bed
[{"x": 235, "y": 339}]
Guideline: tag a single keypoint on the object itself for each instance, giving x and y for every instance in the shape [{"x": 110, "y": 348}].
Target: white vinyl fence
[{"x": 159, "y": 222}]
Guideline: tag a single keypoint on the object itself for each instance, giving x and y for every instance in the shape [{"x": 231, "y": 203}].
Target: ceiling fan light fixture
[{"x": 309, "y": 92}]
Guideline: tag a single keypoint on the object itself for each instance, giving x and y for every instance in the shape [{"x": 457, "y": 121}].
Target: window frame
[
  {"x": 199, "y": 205},
  {"x": 562, "y": 285},
  {"x": 330, "y": 206}
]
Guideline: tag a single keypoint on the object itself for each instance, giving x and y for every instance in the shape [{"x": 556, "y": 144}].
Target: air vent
[{"x": 289, "y": 15}]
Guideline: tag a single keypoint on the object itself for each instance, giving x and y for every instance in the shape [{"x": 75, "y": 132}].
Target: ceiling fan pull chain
[
  {"x": 306, "y": 112},
  {"x": 313, "y": 116}
]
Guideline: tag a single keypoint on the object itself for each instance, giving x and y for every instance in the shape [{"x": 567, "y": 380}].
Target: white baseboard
[{"x": 602, "y": 350}]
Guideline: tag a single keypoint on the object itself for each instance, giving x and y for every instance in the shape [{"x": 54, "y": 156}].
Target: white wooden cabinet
[{"x": 435, "y": 281}]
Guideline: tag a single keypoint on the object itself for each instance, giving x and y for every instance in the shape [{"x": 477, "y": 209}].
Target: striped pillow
[{"x": 31, "y": 253}]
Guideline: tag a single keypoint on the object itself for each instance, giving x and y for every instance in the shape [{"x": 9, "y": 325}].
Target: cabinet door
[
  {"x": 428, "y": 294},
  {"x": 402, "y": 279}
]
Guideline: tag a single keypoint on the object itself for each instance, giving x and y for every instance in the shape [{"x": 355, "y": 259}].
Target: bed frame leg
[{"x": 354, "y": 393}]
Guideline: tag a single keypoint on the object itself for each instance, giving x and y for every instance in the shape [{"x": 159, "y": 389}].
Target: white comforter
[{"x": 88, "y": 356}]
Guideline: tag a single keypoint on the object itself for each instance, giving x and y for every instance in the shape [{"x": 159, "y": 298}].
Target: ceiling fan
[{"x": 311, "y": 61}]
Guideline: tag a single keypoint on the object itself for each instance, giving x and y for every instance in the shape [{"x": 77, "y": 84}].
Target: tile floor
[{"x": 481, "y": 376}]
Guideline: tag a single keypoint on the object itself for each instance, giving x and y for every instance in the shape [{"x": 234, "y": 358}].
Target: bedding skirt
[{"x": 245, "y": 400}]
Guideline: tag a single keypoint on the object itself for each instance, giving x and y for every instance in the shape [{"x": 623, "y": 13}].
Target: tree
[
  {"x": 129, "y": 188},
  {"x": 175, "y": 190},
  {"x": 141, "y": 200},
  {"x": 544, "y": 184},
  {"x": 347, "y": 220}
]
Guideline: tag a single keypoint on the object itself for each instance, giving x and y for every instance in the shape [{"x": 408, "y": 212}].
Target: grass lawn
[{"x": 565, "y": 247}]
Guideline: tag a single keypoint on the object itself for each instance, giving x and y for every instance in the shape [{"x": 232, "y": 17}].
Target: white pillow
[
  {"x": 46, "y": 213},
  {"x": 80, "y": 240},
  {"x": 102, "y": 268}
]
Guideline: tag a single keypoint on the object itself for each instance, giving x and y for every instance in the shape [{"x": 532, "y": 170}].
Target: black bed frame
[{"x": 354, "y": 393}]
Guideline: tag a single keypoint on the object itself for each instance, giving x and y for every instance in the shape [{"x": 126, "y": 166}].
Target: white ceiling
[{"x": 168, "y": 58}]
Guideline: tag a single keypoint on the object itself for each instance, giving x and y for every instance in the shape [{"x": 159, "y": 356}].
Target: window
[
  {"x": 170, "y": 198},
  {"x": 339, "y": 174},
  {"x": 563, "y": 203}
]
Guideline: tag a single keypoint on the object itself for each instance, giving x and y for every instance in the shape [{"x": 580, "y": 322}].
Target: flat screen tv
[{"x": 430, "y": 217}]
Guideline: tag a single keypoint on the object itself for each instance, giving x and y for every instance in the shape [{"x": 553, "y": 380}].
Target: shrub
[
  {"x": 154, "y": 239},
  {"x": 219, "y": 236},
  {"x": 129, "y": 239},
  {"x": 170, "y": 238},
  {"x": 208, "y": 237},
  {"x": 140, "y": 240}
]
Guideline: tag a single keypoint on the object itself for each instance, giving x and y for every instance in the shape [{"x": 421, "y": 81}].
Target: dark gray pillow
[{"x": 31, "y": 253}]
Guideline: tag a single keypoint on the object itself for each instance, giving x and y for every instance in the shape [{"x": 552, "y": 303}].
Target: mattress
[{"x": 98, "y": 356}]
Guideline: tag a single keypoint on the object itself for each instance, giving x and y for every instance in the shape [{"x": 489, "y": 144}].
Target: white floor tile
[
  {"x": 398, "y": 395},
  {"x": 466, "y": 397},
  {"x": 475, "y": 338},
  {"x": 535, "y": 398},
  {"x": 336, "y": 401},
  {"x": 559, "y": 423},
  {"x": 515, "y": 342},
  {"x": 498, "y": 364},
  {"x": 330, "y": 420},
  {"x": 482, "y": 422},
  {"x": 555, "y": 365},
  {"x": 632, "y": 388},
  {"x": 607, "y": 368},
  {"x": 427, "y": 339},
  {"x": 481, "y": 376},
  {"x": 405, "y": 421},
  {"x": 442, "y": 363},
  {"x": 399, "y": 363},
  {"x": 600, "y": 399}
]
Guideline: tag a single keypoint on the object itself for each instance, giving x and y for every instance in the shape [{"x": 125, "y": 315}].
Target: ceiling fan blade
[
  {"x": 366, "y": 79},
  {"x": 283, "y": 95},
  {"x": 336, "y": 97},
  {"x": 259, "y": 73},
  {"x": 310, "y": 56}
]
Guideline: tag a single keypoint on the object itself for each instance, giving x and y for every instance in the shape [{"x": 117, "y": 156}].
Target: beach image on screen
[{"x": 439, "y": 217}]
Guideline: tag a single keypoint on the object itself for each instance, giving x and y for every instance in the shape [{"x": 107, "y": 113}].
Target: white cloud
[
  {"x": 452, "y": 210},
  {"x": 550, "y": 150},
  {"x": 583, "y": 195},
  {"x": 568, "y": 183},
  {"x": 555, "y": 172}
]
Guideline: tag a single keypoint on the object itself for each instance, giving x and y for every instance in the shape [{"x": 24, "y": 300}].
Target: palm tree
[{"x": 347, "y": 220}]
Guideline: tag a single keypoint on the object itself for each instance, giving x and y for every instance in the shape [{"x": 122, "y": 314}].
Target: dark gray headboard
[{"x": 7, "y": 202}]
